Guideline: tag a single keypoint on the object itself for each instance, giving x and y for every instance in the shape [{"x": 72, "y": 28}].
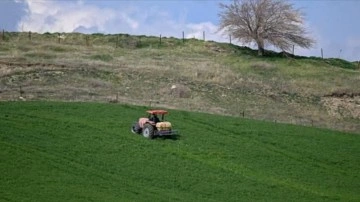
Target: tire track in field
[
  {"x": 269, "y": 147},
  {"x": 262, "y": 177},
  {"x": 70, "y": 165},
  {"x": 76, "y": 168},
  {"x": 52, "y": 119}
]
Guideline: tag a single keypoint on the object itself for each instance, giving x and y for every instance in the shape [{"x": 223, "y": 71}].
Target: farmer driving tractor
[{"x": 154, "y": 118}]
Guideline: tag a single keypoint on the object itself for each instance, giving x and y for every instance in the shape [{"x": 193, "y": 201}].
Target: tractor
[{"x": 153, "y": 126}]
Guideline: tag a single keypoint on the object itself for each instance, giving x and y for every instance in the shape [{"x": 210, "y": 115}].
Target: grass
[
  {"x": 40, "y": 55},
  {"x": 53, "y": 151},
  {"x": 221, "y": 78},
  {"x": 105, "y": 58}
]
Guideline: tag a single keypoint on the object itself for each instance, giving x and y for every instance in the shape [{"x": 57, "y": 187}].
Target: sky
[{"x": 334, "y": 24}]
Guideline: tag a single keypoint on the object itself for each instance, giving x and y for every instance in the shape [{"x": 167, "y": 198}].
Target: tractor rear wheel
[{"x": 148, "y": 131}]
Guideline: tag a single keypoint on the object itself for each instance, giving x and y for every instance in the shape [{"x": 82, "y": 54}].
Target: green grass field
[{"x": 54, "y": 151}]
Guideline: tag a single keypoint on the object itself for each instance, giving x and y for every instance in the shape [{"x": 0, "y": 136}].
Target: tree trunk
[{"x": 261, "y": 50}]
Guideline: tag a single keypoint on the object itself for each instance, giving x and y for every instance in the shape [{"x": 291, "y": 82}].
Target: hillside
[
  {"x": 192, "y": 75},
  {"x": 85, "y": 152}
]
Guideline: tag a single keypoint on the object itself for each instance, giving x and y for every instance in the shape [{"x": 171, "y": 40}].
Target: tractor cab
[{"x": 156, "y": 115}]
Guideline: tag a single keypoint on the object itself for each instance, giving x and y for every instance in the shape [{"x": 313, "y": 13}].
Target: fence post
[
  {"x": 160, "y": 39},
  {"x": 183, "y": 36},
  {"x": 293, "y": 50},
  {"x": 59, "y": 39},
  {"x": 340, "y": 53},
  {"x": 21, "y": 92},
  {"x": 204, "y": 35},
  {"x": 322, "y": 54},
  {"x": 230, "y": 38},
  {"x": 30, "y": 35},
  {"x": 3, "y": 35}
]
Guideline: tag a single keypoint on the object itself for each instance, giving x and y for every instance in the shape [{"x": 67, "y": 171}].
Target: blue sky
[{"x": 333, "y": 23}]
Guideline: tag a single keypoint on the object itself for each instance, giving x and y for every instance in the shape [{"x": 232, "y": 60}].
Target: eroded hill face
[
  {"x": 343, "y": 107},
  {"x": 196, "y": 75}
]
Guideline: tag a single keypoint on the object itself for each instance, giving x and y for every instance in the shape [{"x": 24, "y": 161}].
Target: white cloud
[
  {"x": 132, "y": 23},
  {"x": 197, "y": 31},
  {"x": 67, "y": 16},
  {"x": 79, "y": 16}
]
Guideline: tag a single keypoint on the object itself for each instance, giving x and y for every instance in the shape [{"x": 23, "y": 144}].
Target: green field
[{"x": 85, "y": 152}]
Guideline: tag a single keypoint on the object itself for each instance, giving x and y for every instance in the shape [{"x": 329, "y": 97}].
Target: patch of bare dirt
[
  {"x": 342, "y": 106},
  {"x": 176, "y": 91}
]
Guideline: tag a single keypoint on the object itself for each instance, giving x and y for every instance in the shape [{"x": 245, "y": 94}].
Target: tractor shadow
[{"x": 168, "y": 137}]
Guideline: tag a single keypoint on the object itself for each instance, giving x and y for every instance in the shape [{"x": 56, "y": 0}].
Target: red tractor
[{"x": 153, "y": 125}]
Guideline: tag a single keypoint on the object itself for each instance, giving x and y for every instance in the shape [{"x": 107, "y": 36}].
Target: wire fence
[
  {"x": 128, "y": 41},
  {"x": 116, "y": 40}
]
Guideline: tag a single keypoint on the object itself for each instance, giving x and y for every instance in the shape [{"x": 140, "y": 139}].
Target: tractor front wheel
[
  {"x": 135, "y": 128},
  {"x": 148, "y": 131}
]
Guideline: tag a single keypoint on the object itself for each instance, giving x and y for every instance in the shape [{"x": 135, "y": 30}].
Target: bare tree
[{"x": 264, "y": 22}]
